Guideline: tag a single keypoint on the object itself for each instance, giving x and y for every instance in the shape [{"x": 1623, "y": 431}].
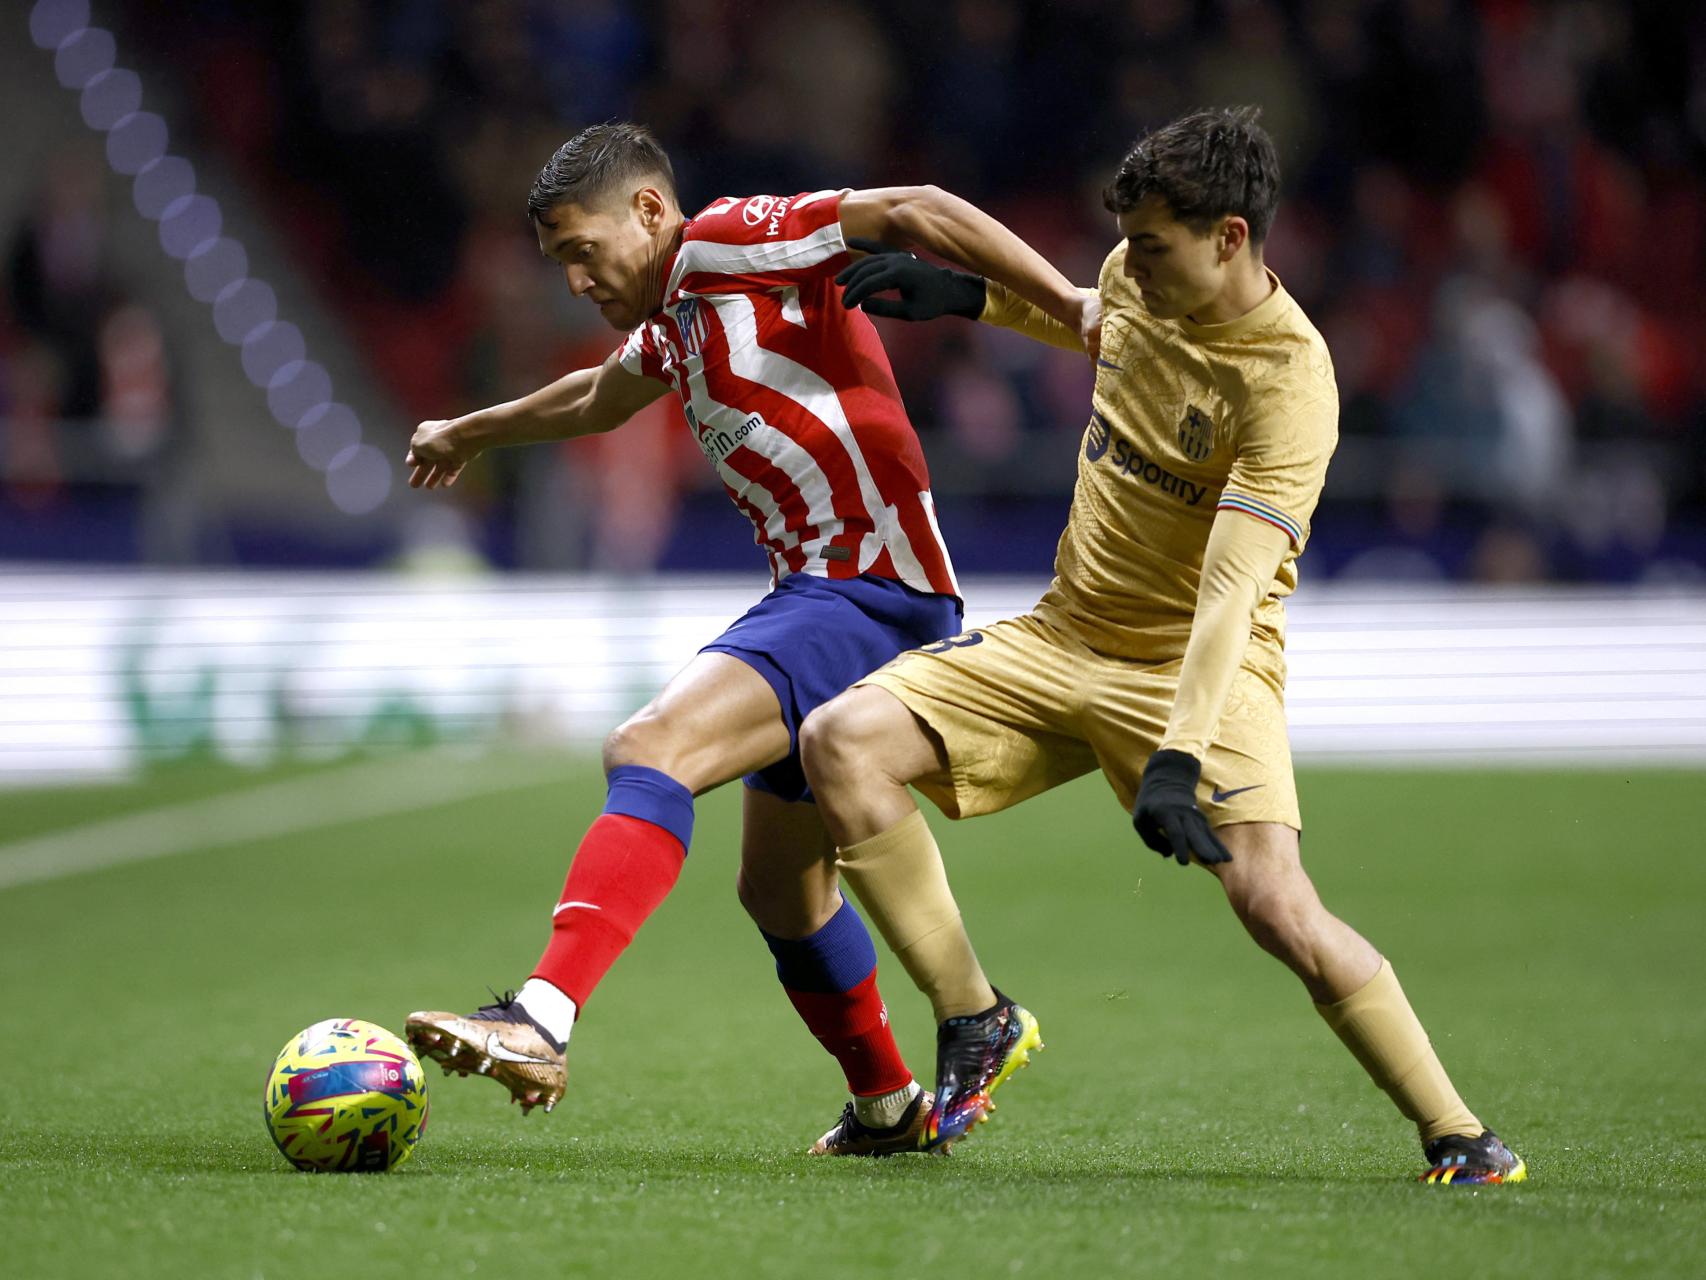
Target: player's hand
[
  {"x": 438, "y": 452},
  {"x": 926, "y": 291},
  {"x": 1090, "y": 324},
  {"x": 1166, "y": 813}
]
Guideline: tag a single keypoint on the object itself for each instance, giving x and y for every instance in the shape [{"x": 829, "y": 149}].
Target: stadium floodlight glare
[
  {"x": 84, "y": 55},
  {"x": 135, "y": 140},
  {"x": 243, "y": 306},
  {"x": 161, "y": 183},
  {"x": 53, "y": 22},
  {"x": 358, "y": 479},
  {"x": 269, "y": 347},
  {"x": 216, "y": 267},
  {"x": 109, "y": 97},
  {"x": 297, "y": 389},
  {"x": 213, "y": 267},
  {"x": 188, "y": 223},
  {"x": 325, "y": 433}
]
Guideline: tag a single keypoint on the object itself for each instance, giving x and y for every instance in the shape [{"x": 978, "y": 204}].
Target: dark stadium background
[
  {"x": 1496, "y": 213},
  {"x": 282, "y": 739}
]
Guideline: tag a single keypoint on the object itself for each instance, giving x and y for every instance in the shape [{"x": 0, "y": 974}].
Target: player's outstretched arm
[
  {"x": 925, "y": 291},
  {"x": 1238, "y": 568},
  {"x": 583, "y": 403},
  {"x": 943, "y": 224}
]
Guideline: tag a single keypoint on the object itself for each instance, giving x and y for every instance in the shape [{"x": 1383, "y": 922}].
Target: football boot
[
  {"x": 852, "y": 1137},
  {"x": 1460, "y": 1161},
  {"x": 497, "y": 1040},
  {"x": 974, "y": 1056}
]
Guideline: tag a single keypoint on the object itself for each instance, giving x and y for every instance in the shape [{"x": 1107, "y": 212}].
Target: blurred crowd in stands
[
  {"x": 1494, "y": 211},
  {"x": 86, "y": 392}
]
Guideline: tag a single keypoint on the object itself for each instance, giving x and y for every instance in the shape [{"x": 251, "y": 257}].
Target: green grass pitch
[{"x": 1192, "y": 1115}]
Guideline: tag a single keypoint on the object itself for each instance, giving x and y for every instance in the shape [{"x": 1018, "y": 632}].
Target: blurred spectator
[
  {"x": 87, "y": 408},
  {"x": 57, "y": 278}
]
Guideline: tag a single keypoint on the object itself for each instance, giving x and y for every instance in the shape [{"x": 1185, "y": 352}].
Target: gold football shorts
[{"x": 1022, "y": 706}]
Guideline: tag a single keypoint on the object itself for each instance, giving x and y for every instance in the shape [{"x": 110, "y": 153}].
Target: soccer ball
[{"x": 345, "y": 1095}]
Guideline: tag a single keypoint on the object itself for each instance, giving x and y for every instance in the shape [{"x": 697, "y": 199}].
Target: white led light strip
[{"x": 216, "y": 267}]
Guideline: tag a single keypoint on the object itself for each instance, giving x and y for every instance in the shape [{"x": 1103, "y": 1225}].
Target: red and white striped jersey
[{"x": 791, "y": 395}]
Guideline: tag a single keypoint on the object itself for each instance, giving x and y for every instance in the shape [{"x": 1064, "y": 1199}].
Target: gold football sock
[
  {"x": 898, "y": 877},
  {"x": 1382, "y": 1032}
]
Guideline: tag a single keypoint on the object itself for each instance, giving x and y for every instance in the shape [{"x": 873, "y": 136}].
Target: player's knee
[
  {"x": 833, "y": 745},
  {"x": 752, "y": 896},
  {"x": 1277, "y": 916},
  {"x": 640, "y": 739},
  {"x": 1266, "y": 921}
]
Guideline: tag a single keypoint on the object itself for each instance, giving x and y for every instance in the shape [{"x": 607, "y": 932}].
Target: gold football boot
[
  {"x": 497, "y": 1040},
  {"x": 852, "y": 1137}
]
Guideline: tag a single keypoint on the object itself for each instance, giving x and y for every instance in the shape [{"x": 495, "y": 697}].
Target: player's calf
[{"x": 1276, "y": 902}]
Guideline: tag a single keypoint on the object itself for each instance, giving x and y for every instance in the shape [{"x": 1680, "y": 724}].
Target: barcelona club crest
[{"x": 1196, "y": 434}]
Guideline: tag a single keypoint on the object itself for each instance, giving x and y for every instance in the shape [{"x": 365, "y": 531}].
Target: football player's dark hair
[
  {"x": 1205, "y": 165},
  {"x": 594, "y": 163}
]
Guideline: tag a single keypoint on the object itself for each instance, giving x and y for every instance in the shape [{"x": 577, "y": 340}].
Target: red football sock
[
  {"x": 854, "y": 1027},
  {"x": 623, "y": 869}
]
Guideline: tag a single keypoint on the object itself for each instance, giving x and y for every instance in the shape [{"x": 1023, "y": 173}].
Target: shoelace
[{"x": 503, "y": 1010}]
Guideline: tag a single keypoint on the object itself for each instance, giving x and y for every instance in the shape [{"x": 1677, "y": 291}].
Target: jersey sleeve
[
  {"x": 1282, "y": 449},
  {"x": 1238, "y": 570},
  {"x": 762, "y": 242},
  {"x": 639, "y": 356},
  {"x": 1003, "y": 307}
]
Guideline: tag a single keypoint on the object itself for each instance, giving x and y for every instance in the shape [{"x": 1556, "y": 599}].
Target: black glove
[
  {"x": 926, "y": 291},
  {"x": 1166, "y": 813}
]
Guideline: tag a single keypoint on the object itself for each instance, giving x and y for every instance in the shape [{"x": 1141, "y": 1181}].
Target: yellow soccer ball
[{"x": 346, "y": 1096}]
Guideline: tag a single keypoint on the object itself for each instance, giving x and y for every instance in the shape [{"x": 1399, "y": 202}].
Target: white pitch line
[{"x": 354, "y": 794}]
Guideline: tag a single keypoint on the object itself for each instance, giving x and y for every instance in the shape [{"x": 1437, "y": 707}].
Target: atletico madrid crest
[{"x": 695, "y": 326}]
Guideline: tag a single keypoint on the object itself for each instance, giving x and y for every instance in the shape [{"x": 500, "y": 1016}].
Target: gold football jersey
[{"x": 1186, "y": 420}]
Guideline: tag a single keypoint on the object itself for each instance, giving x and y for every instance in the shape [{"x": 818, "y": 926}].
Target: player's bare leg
[
  {"x": 716, "y": 720},
  {"x": 827, "y": 966},
  {"x": 861, "y": 751},
  {"x": 1276, "y": 901},
  {"x": 1359, "y": 997},
  {"x": 787, "y": 881}
]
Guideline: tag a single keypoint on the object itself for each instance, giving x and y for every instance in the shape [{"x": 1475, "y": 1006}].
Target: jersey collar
[
  {"x": 1251, "y": 320},
  {"x": 671, "y": 266}
]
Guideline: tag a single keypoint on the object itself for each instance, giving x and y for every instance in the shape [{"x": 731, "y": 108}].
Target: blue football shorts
[{"x": 812, "y": 637}]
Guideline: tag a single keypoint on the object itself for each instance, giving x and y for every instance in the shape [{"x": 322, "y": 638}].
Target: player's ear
[
  {"x": 650, "y": 207},
  {"x": 1234, "y": 233}
]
